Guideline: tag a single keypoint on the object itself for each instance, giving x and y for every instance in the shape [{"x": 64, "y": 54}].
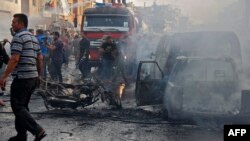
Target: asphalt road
[{"x": 100, "y": 122}]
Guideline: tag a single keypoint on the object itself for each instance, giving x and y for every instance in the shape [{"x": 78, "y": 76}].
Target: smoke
[
  {"x": 199, "y": 98},
  {"x": 196, "y": 10},
  {"x": 197, "y": 15},
  {"x": 200, "y": 12},
  {"x": 146, "y": 46}
]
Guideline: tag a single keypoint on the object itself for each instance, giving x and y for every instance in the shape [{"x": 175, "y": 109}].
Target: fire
[{"x": 121, "y": 88}]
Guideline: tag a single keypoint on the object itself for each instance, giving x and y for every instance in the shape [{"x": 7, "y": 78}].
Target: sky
[{"x": 197, "y": 10}]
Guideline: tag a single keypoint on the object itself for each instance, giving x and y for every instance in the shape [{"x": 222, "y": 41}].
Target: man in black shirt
[
  {"x": 56, "y": 54},
  {"x": 83, "y": 56}
]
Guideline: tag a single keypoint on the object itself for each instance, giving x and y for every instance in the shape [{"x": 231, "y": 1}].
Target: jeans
[{"x": 20, "y": 93}]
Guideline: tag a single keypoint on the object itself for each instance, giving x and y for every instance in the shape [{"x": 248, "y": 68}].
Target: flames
[{"x": 121, "y": 88}]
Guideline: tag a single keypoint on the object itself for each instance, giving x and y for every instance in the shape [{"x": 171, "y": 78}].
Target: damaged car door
[{"x": 150, "y": 84}]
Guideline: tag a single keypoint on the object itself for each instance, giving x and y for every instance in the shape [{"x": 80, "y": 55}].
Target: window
[
  {"x": 71, "y": 8},
  {"x": 34, "y": 2},
  {"x": 108, "y": 21}
]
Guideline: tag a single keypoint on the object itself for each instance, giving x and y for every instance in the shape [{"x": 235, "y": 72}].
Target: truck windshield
[
  {"x": 202, "y": 70},
  {"x": 106, "y": 21}
]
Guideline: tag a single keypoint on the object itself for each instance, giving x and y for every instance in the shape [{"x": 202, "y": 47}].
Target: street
[
  {"x": 125, "y": 70},
  {"x": 100, "y": 122}
]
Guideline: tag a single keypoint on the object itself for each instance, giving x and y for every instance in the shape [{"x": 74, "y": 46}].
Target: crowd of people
[
  {"x": 56, "y": 50},
  {"x": 34, "y": 54}
]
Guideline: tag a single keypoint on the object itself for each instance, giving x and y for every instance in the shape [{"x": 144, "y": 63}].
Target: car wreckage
[
  {"x": 63, "y": 95},
  {"x": 195, "y": 86},
  {"x": 194, "y": 73}
]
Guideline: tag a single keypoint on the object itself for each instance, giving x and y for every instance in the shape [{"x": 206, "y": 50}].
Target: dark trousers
[
  {"x": 107, "y": 68},
  {"x": 84, "y": 67},
  {"x": 20, "y": 93},
  {"x": 56, "y": 73},
  {"x": 45, "y": 64}
]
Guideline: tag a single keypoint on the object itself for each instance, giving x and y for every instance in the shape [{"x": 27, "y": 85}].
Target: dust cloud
[{"x": 198, "y": 15}]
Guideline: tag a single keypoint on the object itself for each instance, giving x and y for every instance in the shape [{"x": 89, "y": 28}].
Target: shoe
[{"x": 40, "y": 135}]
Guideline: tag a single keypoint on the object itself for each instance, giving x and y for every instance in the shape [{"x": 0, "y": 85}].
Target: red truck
[{"x": 115, "y": 20}]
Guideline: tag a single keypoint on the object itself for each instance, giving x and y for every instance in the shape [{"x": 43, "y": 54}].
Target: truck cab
[{"x": 106, "y": 19}]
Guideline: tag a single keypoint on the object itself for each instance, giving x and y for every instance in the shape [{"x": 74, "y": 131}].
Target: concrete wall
[
  {"x": 7, "y": 9},
  {"x": 10, "y": 6},
  {"x": 34, "y": 9}
]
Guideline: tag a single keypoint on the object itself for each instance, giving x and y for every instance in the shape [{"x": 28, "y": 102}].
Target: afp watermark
[{"x": 237, "y": 132}]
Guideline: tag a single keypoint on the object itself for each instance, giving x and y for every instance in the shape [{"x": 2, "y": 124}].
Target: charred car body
[
  {"x": 202, "y": 85},
  {"x": 219, "y": 64}
]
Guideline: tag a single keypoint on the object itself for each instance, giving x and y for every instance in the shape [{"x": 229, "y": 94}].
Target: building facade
[
  {"x": 57, "y": 15},
  {"x": 7, "y": 9}
]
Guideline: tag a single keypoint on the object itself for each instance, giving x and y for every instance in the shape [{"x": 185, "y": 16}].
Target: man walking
[
  {"x": 25, "y": 65},
  {"x": 56, "y": 49},
  {"x": 83, "y": 56}
]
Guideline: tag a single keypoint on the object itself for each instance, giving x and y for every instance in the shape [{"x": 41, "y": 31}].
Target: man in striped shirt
[{"x": 25, "y": 65}]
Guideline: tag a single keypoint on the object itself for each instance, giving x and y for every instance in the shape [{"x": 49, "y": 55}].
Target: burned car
[
  {"x": 196, "y": 87},
  {"x": 215, "y": 81},
  {"x": 202, "y": 85},
  {"x": 202, "y": 43}
]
